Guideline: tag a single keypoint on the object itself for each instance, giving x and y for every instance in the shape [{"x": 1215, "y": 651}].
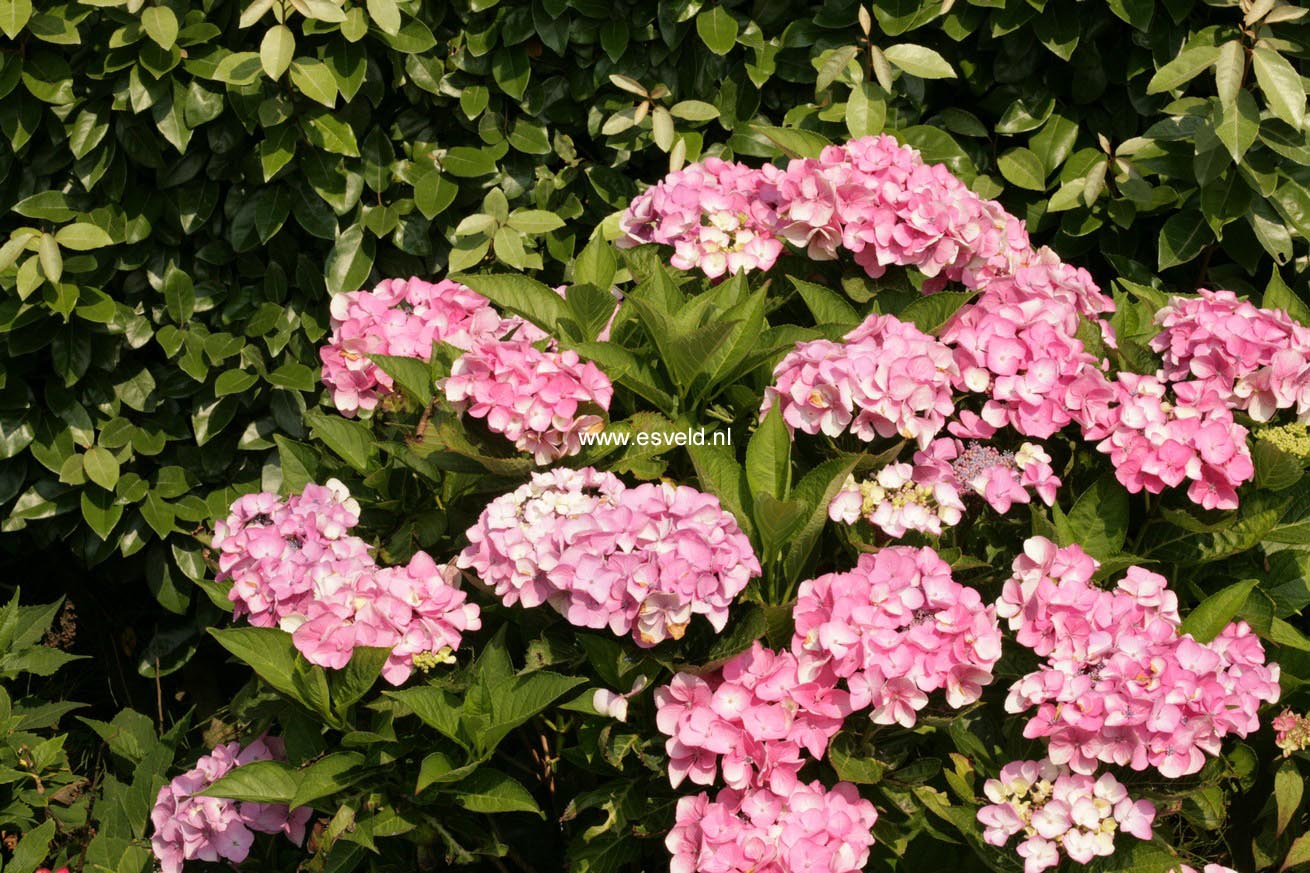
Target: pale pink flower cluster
[
  {"x": 716, "y": 215},
  {"x": 1291, "y": 732},
  {"x": 639, "y": 560},
  {"x": 1257, "y": 359},
  {"x": 872, "y": 197},
  {"x": 293, "y": 564},
  {"x": 275, "y": 552},
  {"x": 886, "y": 379},
  {"x": 805, "y": 829},
  {"x": 1001, "y": 477},
  {"x": 1209, "y": 868},
  {"x": 192, "y": 828},
  {"x": 402, "y": 317},
  {"x": 900, "y": 498},
  {"x": 416, "y": 611},
  {"x": 896, "y": 628},
  {"x": 1161, "y": 435},
  {"x": 752, "y": 718},
  {"x": 1023, "y": 352},
  {"x": 540, "y": 400},
  {"x": 1060, "y": 813},
  {"x": 1119, "y": 683}
]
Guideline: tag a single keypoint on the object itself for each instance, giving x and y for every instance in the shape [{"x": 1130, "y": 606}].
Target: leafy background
[{"x": 184, "y": 185}]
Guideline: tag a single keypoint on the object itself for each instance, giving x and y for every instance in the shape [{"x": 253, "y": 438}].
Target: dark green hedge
[{"x": 184, "y": 184}]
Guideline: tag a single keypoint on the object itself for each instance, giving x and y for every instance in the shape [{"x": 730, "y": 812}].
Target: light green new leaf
[
  {"x": 918, "y": 60},
  {"x": 1281, "y": 84},
  {"x": 1237, "y": 124},
  {"x": 160, "y": 25},
  {"x": 1229, "y": 66},
  {"x": 717, "y": 29},
  {"x": 14, "y": 15},
  {"x": 101, "y": 467},
  {"x": 1189, "y": 64},
  {"x": 276, "y": 50},
  {"x": 314, "y": 79},
  {"x": 385, "y": 14},
  {"x": 1022, "y": 167},
  {"x": 82, "y": 237}
]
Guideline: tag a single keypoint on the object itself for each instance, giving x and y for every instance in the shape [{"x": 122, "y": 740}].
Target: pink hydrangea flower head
[
  {"x": 897, "y": 628},
  {"x": 1161, "y": 435},
  {"x": 1257, "y": 359},
  {"x": 900, "y": 498},
  {"x": 276, "y": 552},
  {"x": 716, "y": 214},
  {"x": 751, "y": 719},
  {"x": 192, "y": 828},
  {"x": 1119, "y": 684},
  {"x": 804, "y": 829},
  {"x": 1002, "y": 478},
  {"x": 402, "y": 317},
  {"x": 1060, "y": 812},
  {"x": 417, "y": 611},
  {"x": 541, "y": 401},
  {"x": 642, "y": 560},
  {"x": 886, "y": 379}
]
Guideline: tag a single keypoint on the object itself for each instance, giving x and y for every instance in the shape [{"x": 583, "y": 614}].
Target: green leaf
[
  {"x": 794, "y": 142},
  {"x": 1289, "y": 786},
  {"x": 1278, "y": 296},
  {"x": 350, "y": 261},
  {"x": 351, "y": 440},
  {"x": 815, "y": 490},
  {"x": 314, "y": 79},
  {"x": 694, "y": 110},
  {"x": 1229, "y": 68},
  {"x": 1182, "y": 237},
  {"x": 82, "y": 236},
  {"x": 521, "y": 295},
  {"x": 468, "y": 163},
  {"x": 717, "y": 29},
  {"x": 358, "y": 677},
  {"x": 411, "y": 374},
  {"x": 276, "y": 50},
  {"x": 866, "y": 111},
  {"x": 720, "y": 474},
  {"x": 534, "y": 221},
  {"x": 258, "y": 782},
  {"x": 511, "y": 70},
  {"x": 271, "y": 654},
  {"x": 160, "y": 25},
  {"x": 32, "y": 848},
  {"x": 1213, "y": 614},
  {"x": 516, "y": 699},
  {"x": 931, "y": 313},
  {"x": 1189, "y": 64},
  {"x": 1237, "y": 124},
  {"x": 487, "y": 790},
  {"x": 52, "y": 262},
  {"x": 1022, "y": 167},
  {"x": 332, "y": 134},
  {"x": 326, "y": 776},
  {"x": 596, "y": 264},
  {"x": 768, "y": 457},
  {"x": 1098, "y": 520},
  {"x": 1281, "y": 84},
  {"x": 14, "y": 15},
  {"x": 385, "y": 14},
  {"x": 101, "y": 467},
  {"x": 918, "y": 60},
  {"x": 826, "y": 305},
  {"x": 1275, "y": 469},
  {"x": 159, "y": 514}
]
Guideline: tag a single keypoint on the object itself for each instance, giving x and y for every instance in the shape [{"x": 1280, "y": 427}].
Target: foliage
[{"x": 185, "y": 184}]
